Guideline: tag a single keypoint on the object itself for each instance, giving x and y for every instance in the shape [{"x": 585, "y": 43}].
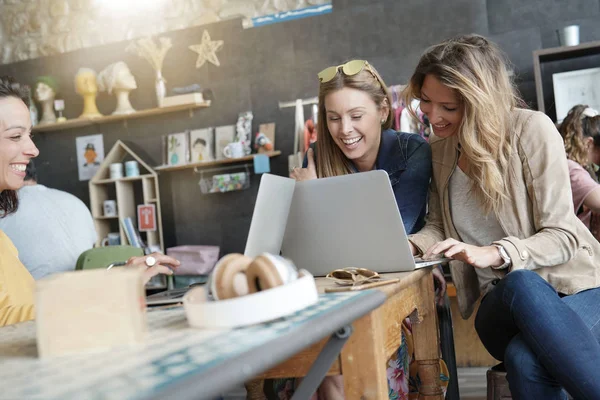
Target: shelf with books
[{"x": 205, "y": 164}]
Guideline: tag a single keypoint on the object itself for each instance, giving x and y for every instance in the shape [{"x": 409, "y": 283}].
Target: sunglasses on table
[
  {"x": 353, "y": 276},
  {"x": 349, "y": 69}
]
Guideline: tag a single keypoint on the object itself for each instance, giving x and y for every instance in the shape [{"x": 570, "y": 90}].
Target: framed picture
[
  {"x": 202, "y": 145},
  {"x": 90, "y": 154},
  {"x": 177, "y": 148},
  {"x": 146, "y": 216},
  {"x": 267, "y": 140},
  {"x": 576, "y": 87},
  {"x": 223, "y": 136}
]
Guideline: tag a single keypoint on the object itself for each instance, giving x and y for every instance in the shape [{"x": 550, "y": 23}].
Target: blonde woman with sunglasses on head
[
  {"x": 355, "y": 135},
  {"x": 500, "y": 205}
]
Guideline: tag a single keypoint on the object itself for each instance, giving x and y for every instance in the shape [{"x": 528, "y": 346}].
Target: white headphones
[{"x": 243, "y": 291}]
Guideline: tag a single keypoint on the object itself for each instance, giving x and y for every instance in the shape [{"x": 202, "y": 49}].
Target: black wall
[{"x": 262, "y": 66}]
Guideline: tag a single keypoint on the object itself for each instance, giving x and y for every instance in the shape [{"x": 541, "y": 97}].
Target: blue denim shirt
[{"x": 406, "y": 157}]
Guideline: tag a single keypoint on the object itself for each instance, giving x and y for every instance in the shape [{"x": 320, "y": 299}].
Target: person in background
[
  {"x": 500, "y": 207},
  {"x": 16, "y": 151},
  {"x": 580, "y": 131},
  {"x": 355, "y": 135},
  {"x": 60, "y": 222}
]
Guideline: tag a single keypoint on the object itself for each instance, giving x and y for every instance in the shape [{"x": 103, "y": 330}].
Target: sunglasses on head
[{"x": 349, "y": 69}]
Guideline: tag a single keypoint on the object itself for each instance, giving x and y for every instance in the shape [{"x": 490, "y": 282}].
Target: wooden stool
[{"x": 497, "y": 385}]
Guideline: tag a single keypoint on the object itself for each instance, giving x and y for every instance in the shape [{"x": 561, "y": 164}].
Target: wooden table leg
[
  {"x": 427, "y": 345},
  {"x": 255, "y": 390},
  {"x": 363, "y": 360}
]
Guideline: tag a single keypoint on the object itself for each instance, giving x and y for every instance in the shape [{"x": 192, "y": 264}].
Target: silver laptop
[{"x": 325, "y": 224}]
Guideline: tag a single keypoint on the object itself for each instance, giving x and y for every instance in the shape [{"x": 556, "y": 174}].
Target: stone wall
[{"x": 35, "y": 28}]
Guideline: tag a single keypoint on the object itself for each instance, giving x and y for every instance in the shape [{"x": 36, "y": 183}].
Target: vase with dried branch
[{"x": 154, "y": 53}]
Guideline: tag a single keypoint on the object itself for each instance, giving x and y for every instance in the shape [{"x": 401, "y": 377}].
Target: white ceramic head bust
[
  {"x": 45, "y": 91},
  {"x": 117, "y": 78}
]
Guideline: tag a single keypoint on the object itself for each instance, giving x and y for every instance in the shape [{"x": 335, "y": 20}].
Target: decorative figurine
[
  {"x": 59, "y": 106},
  {"x": 207, "y": 50},
  {"x": 117, "y": 78},
  {"x": 45, "y": 90},
  {"x": 85, "y": 85}
]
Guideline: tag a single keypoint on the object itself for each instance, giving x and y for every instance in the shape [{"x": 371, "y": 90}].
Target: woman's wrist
[
  {"x": 413, "y": 249},
  {"x": 501, "y": 258}
]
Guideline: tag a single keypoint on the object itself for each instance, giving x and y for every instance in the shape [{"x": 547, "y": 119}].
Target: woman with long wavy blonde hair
[
  {"x": 487, "y": 102},
  {"x": 501, "y": 209},
  {"x": 580, "y": 131}
]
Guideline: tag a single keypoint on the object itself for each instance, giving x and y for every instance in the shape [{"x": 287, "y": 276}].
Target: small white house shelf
[{"x": 129, "y": 192}]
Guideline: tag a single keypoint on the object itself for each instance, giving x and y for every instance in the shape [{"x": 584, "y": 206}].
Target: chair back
[{"x": 102, "y": 257}]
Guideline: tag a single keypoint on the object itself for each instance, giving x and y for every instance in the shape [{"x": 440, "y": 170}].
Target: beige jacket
[{"x": 544, "y": 234}]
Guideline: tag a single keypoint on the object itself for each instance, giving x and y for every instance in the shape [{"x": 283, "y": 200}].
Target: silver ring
[{"x": 150, "y": 261}]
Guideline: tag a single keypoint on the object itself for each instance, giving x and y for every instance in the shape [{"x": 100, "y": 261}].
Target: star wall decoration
[{"x": 207, "y": 50}]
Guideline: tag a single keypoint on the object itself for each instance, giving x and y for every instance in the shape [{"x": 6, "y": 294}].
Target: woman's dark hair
[
  {"x": 580, "y": 123},
  {"x": 10, "y": 88}
]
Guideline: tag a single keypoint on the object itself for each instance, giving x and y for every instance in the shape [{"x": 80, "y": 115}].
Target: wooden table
[{"x": 376, "y": 338}]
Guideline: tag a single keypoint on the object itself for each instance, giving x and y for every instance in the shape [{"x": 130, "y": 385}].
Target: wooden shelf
[
  {"x": 543, "y": 56},
  {"x": 214, "y": 163},
  {"x": 126, "y": 178},
  {"x": 104, "y": 217},
  {"x": 79, "y": 122},
  {"x": 565, "y": 52}
]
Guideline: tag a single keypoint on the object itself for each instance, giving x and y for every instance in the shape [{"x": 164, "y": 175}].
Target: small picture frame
[
  {"x": 202, "y": 145},
  {"x": 223, "y": 136},
  {"x": 268, "y": 141},
  {"x": 177, "y": 148},
  {"x": 146, "y": 216}
]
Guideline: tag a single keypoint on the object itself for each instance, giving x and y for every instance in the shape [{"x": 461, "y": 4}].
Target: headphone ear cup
[
  {"x": 268, "y": 271},
  {"x": 262, "y": 274},
  {"x": 226, "y": 282}
]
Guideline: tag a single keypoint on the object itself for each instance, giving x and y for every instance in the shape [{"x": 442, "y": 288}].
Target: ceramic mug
[
  {"x": 234, "y": 150},
  {"x": 132, "y": 168},
  {"x": 569, "y": 35},
  {"x": 110, "y": 208},
  {"x": 112, "y": 239},
  {"x": 116, "y": 171}
]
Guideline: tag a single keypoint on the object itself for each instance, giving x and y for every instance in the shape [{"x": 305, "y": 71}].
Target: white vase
[{"x": 161, "y": 88}]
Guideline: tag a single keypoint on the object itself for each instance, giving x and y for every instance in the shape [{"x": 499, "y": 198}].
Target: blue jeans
[{"x": 547, "y": 342}]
